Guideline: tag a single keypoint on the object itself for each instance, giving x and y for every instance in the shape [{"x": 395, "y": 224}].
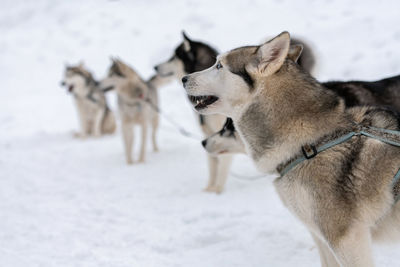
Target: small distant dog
[
  {"x": 94, "y": 114},
  {"x": 345, "y": 194},
  {"x": 191, "y": 56},
  {"x": 137, "y": 103}
]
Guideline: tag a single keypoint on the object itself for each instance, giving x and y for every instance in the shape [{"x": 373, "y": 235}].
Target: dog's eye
[{"x": 219, "y": 66}]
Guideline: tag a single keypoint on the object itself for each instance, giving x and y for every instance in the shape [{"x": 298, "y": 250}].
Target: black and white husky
[{"x": 191, "y": 56}]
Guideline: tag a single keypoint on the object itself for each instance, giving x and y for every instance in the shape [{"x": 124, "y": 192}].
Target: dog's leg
[
  {"x": 354, "y": 248},
  {"x": 144, "y": 142},
  {"x": 326, "y": 255},
  {"x": 212, "y": 178},
  {"x": 83, "y": 131},
  {"x": 154, "y": 132},
  {"x": 224, "y": 163},
  {"x": 83, "y": 123},
  {"x": 127, "y": 133},
  {"x": 97, "y": 123}
]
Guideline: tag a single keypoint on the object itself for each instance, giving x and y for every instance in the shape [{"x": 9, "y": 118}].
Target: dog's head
[
  {"x": 120, "y": 69},
  {"x": 78, "y": 80},
  {"x": 237, "y": 76},
  {"x": 125, "y": 80},
  {"x": 189, "y": 56},
  {"x": 226, "y": 141}
]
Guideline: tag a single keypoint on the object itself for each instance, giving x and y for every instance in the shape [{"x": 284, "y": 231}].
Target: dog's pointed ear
[
  {"x": 186, "y": 42},
  {"x": 271, "y": 55},
  {"x": 185, "y": 37},
  {"x": 295, "y": 52}
]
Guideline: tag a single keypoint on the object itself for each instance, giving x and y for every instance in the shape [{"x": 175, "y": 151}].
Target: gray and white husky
[
  {"x": 345, "y": 194},
  {"x": 95, "y": 117},
  {"x": 137, "y": 104},
  {"x": 191, "y": 56},
  {"x": 381, "y": 93}
]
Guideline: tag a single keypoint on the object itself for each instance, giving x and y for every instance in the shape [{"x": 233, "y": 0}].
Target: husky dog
[
  {"x": 383, "y": 93},
  {"x": 344, "y": 194},
  {"x": 94, "y": 115},
  {"x": 225, "y": 141},
  {"x": 137, "y": 103},
  {"x": 191, "y": 56}
]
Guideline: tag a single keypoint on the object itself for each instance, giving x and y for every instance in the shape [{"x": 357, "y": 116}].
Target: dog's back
[{"x": 385, "y": 92}]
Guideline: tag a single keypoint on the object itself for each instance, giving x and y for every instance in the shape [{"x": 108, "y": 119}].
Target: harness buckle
[{"x": 314, "y": 152}]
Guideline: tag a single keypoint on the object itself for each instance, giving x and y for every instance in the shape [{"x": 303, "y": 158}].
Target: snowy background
[{"x": 68, "y": 202}]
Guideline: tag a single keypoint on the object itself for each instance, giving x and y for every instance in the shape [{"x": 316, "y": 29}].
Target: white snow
[{"x": 69, "y": 202}]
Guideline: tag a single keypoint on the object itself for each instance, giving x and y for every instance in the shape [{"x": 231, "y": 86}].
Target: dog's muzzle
[
  {"x": 184, "y": 80},
  {"x": 204, "y": 143}
]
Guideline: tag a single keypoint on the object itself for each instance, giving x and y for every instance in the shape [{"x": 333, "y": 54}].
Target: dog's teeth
[{"x": 197, "y": 101}]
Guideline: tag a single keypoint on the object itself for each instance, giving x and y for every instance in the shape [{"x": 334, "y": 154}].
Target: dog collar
[{"x": 308, "y": 152}]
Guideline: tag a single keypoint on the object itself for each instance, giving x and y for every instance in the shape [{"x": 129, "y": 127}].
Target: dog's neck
[
  {"x": 290, "y": 109},
  {"x": 82, "y": 92}
]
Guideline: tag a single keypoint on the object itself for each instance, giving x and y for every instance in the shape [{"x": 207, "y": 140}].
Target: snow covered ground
[{"x": 68, "y": 202}]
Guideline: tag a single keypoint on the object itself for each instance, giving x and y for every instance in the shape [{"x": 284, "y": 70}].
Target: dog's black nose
[
  {"x": 204, "y": 142},
  {"x": 156, "y": 68},
  {"x": 184, "y": 79}
]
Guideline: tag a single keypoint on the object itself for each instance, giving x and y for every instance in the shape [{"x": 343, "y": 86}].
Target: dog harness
[{"x": 387, "y": 136}]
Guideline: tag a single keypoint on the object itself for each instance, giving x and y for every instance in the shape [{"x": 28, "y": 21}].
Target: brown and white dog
[
  {"x": 345, "y": 195},
  {"x": 137, "y": 103}
]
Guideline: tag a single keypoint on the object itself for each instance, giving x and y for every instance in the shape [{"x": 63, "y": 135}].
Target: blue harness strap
[
  {"x": 333, "y": 143},
  {"x": 344, "y": 138}
]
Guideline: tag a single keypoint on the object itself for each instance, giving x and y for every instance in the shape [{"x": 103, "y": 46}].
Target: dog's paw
[
  {"x": 219, "y": 190},
  {"x": 142, "y": 158},
  {"x": 79, "y": 135},
  {"x": 129, "y": 161},
  {"x": 210, "y": 189}
]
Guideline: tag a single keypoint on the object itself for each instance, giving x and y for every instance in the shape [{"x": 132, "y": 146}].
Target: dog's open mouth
[{"x": 201, "y": 102}]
